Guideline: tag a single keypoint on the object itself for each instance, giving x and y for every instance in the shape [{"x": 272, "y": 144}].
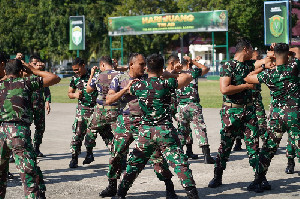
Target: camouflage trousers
[
  {"x": 15, "y": 137},
  {"x": 291, "y": 146},
  {"x": 79, "y": 127},
  {"x": 282, "y": 119},
  {"x": 242, "y": 122},
  {"x": 191, "y": 114},
  {"x": 125, "y": 133},
  {"x": 39, "y": 122},
  {"x": 102, "y": 121},
  {"x": 165, "y": 139}
]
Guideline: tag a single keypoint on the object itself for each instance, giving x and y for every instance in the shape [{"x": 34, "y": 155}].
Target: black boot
[
  {"x": 265, "y": 184},
  {"x": 89, "y": 156},
  {"x": 37, "y": 151},
  {"x": 290, "y": 166},
  {"x": 256, "y": 185},
  {"x": 74, "y": 161},
  {"x": 111, "y": 190},
  {"x": 189, "y": 152},
  {"x": 121, "y": 192},
  {"x": 11, "y": 159},
  {"x": 207, "y": 158},
  {"x": 238, "y": 144},
  {"x": 217, "y": 180},
  {"x": 10, "y": 175},
  {"x": 42, "y": 195},
  {"x": 170, "y": 192},
  {"x": 192, "y": 192}
]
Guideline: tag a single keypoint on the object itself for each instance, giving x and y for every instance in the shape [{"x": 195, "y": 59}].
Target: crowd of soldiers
[{"x": 140, "y": 103}]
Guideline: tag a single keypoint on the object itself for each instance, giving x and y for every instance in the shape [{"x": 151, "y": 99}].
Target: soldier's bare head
[
  {"x": 172, "y": 61},
  {"x": 105, "y": 63},
  {"x": 137, "y": 64},
  {"x": 281, "y": 51},
  {"x": 19, "y": 56},
  {"x": 155, "y": 63},
  {"x": 13, "y": 67},
  {"x": 78, "y": 66},
  {"x": 244, "y": 47}
]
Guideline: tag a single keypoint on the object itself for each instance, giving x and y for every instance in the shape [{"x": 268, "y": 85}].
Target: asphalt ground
[{"x": 88, "y": 180}]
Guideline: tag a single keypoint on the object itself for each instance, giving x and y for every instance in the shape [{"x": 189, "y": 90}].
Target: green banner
[
  {"x": 209, "y": 21},
  {"x": 77, "y": 33},
  {"x": 276, "y": 22}
]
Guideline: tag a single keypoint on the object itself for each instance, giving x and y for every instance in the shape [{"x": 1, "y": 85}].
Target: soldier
[
  {"x": 189, "y": 110},
  {"x": 237, "y": 113},
  {"x": 41, "y": 100},
  {"x": 15, "y": 120},
  {"x": 104, "y": 116},
  {"x": 156, "y": 130},
  {"x": 84, "y": 109},
  {"x": 283, "y": 82}
]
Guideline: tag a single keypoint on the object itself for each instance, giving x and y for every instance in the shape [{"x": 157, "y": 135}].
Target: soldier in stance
[
  {"x": 189, "y": 110},
  {"x": 156, "y": 130},
  {"x": 283, "y": 82},
  {"x": 238, "y": 113},
  {"x": 85, "y": 107},
  {"x": 104, "y": 116},
  {"x": 15, "y": 119}
]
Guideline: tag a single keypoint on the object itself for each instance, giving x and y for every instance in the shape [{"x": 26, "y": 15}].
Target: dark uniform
[{"x": 15, "y": 120}]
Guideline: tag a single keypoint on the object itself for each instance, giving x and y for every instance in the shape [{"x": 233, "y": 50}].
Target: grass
[{"x": 209, "y": 92}]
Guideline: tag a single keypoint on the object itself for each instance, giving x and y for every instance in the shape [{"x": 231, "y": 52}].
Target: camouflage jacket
[
  {"x": 15, "y": 98},
  {"x": 237, "y": 71},
  {"x": 40, "y": 96},
  {"x": 283, "y": 82},
  {"x": 129, "y": 104},
  {"x": 189, "y": 93},
  {"x": 154, "y": 95},
  {"x": 80, "y": 83},
  {"x": 101, "y": 82}
]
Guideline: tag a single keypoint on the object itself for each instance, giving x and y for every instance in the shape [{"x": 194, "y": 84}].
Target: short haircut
[
  {"x": 155, "y": 63},
  {"x": 172, "y": 58},
  {"x": 78, "y": 61},
  {"x": 106, "y": 60},
  {"x": 184, "y": 62},
  {"x": 281, "y": 48},
  {"x": 241, "y": 44},
  {"x": 133, "y": 56},
  {"x": 3, "y": 57},
  {"x": 13, "y": 67},
  {"x": 34, "y": 57}
]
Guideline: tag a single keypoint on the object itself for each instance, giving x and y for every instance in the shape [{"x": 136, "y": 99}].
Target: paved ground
[{"x": 87, "y": 181}]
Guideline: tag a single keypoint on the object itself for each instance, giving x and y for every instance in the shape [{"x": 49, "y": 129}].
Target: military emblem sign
[
  {"x": 77, "y": 33},
  {"x": 276, "y": 22}
]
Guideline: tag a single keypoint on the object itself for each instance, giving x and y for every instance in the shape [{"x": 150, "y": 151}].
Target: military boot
[
  {"x": 290, "y": 166},
  {"x": 122, "y": 192},
  {"x": 74, "y": 161},
  {"x": 111, "y": 190},
  {"x": 207, "y": 158},
  {"x": 89, "y": 156},
  {"x": 265, "y": 184},
  {"x": 189, "y": 152},
  {"x": 42, "y": 195},
  {"x": 217, "y": 180},
  {"x": 37, "y": 150},
  {"x": 10, "y": 175},
  {"x": 238, "y": 144},
  {"x": 256, "y": 185},
  {"x": 192, "y": 192},
  {"x": 170, "y": 192},
  {"x": 11, "y": 159}
]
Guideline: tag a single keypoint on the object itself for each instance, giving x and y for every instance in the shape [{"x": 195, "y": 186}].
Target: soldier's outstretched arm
[
  {"x": 204, "y": 68},
  {"x": 184, "y": 79}
]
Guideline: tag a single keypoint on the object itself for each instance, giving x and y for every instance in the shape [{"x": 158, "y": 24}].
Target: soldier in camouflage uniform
[
  {"x": 104, "y": 116},
  {"x": 283, "y": 82},
  {"x": 156, "y": 130},
  {"x": 189, "y": 110},
  {"x": 127, "y": 128},
  {"x": 84, "y": 110},
  {"x": 15, "y": 120},
  {"x": 237, "y": 113},
  {"x": 41, "y": 100}
]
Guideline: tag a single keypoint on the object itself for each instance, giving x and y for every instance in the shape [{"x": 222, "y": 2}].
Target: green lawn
[{"x": 209, "y": 91}]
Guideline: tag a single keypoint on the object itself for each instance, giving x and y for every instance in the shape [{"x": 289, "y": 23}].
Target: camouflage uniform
[
  {"x": 15, "y": 135},
  {"x": 189, "y": 111},
  {"x": 238, "y": 116},
  {"x": 156, "y": 131},
  {"x": 127, "y": 131},
  {"x": 84, "y": 111},
  {"x": 104, "y": 116},
  {"x": 283, "y": 82},
  {"x": 38, "y": 101}
]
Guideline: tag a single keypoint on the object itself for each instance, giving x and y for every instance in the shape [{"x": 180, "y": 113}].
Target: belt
[
  {"x": 232, "y": 105},
  {"x": 107, "y": 107}
]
